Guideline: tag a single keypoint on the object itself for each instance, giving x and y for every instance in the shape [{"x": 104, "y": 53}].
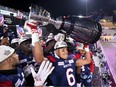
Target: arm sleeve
[
  {"x": 6, "y": 84},
  {"x": 91, "y": 66}
]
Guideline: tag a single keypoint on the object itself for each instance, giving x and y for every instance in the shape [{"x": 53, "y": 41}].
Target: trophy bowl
[{"x": 39, "y": 14}]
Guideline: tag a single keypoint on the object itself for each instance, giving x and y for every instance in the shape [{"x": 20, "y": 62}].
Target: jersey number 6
[{"x": 70, "y": 77}]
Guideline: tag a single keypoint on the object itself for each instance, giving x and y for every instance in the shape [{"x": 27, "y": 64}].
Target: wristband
[
  {"x": 38, "y": 83},
  {"x": 87, "y": 49},
  {"x": 35, "y": 38}
]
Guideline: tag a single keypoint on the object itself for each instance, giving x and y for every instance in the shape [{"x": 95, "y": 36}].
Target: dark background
[{"x": 63, "y": 7}]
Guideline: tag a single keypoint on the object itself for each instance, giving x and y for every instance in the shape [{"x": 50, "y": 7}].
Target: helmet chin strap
[{"x": 56, "y": 55}]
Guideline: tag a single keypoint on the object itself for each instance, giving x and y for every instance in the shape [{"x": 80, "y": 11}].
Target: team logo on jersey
[
  {"x": 60, "y": 63},
  {"x": 71, "y": 61}
]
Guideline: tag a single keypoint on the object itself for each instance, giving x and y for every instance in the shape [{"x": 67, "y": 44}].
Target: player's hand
[
  {"x": 31, "y": 26},
  {"x": 59, "y": 37},
  {"x": 86, "y": 47},
  {"x": 45, "y": 69},
  {"x": 80, "y": 46}
]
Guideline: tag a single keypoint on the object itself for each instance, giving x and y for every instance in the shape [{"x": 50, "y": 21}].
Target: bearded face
[{"x": 26, "y": 47}]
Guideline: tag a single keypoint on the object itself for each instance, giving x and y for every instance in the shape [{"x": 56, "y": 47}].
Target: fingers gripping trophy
[{"x": 82, "y": 30}]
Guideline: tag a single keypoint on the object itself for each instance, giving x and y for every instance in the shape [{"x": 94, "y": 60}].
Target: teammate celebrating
[
  {"x": 84, "y": 72},
  {"x": 64, "y": 72},
  {"x": 10, "y": 74}
]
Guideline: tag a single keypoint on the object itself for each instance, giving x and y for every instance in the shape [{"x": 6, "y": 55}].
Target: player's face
[
  {"x": 42, "y": 42},
  {"x": 26, "y": 47},
  {"x": 5, "y": 41},
  {"x": 81, "y": 51},
  {"x": 62, "y": 53}
]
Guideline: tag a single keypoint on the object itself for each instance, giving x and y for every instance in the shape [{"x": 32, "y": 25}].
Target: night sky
[{"x": 64, "y": 7}]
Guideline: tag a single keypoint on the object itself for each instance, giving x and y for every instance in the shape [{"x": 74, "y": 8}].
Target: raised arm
[
  {"x": 31, "y": 26},
  {"x": 86, "y": 60},
  {"x": 37, "y": 49}
]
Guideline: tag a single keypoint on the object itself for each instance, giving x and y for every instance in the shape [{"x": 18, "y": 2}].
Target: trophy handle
[{"x": 39, "y": 14}]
